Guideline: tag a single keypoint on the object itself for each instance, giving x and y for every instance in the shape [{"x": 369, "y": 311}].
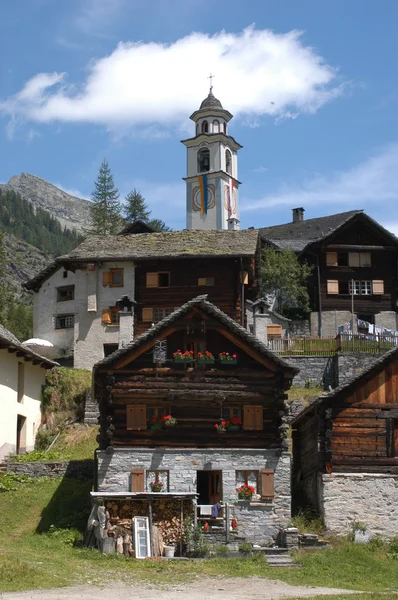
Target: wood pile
[{"x": 166, "y": 515}]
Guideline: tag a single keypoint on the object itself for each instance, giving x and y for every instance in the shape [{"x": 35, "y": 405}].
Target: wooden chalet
[
  {"x": 231, "y": 422},
  {"x": 353, "y": 258},
  {"x": 345, "y": 449}
]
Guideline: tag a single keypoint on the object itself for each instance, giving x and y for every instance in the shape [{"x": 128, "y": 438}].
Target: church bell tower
[{"x": 212, "y": 169}]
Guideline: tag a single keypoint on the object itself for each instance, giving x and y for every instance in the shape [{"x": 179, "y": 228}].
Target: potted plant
[
  {"x": 156, "y": 486},
  {"x": 228, "y": 359},
  {"x": 205, "y": 358},
  {"x": 168, "y": 421},
  {"x": 221, "y": 427},
  {"x": 235, "y": 424},
  {"x": 183, "y": 357},
  {"x": 155, "y": 423},
  {"x": 245, "y": 492}
]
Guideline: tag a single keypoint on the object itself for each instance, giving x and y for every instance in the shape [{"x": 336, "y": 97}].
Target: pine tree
[
  {"x": 136, "y": 208},
  {"x": 159, "y": 225},
  {"x": 105, "y": 208}
]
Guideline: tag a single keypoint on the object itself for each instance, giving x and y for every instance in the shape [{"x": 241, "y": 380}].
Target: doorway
[
  {"x": 209, "y": 487},
  {"x": 21, "y": 435}
]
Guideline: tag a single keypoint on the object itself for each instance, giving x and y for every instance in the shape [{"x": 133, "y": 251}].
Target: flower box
[
  {"x": 230, "y": 361},
  {"x": 234, "y": 427},
  {"x": 205, "y": 361},
  {"x": 168, "y": 421}
]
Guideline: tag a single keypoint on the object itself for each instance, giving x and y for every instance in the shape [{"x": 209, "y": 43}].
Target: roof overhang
[
  {"x": 212, "y": 113},
  {"x": 206, "y": 137}
]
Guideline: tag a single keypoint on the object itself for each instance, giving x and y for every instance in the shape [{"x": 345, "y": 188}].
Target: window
[
  {"x": 158, "y": 476},
  {"x": 113, "y": 278},
  {"x": 348, "y": 259},
  {"x": 225, "y": 127},
  {"x": 64, "y": 321},
  {"x": 360, "y": 288},
  {"x": 160, "y": 313},
  {"x": 203, "y": 160},
  {"x": 110, "y": 349},
  {"x": 206, "y": 281},
  {"x": 231, "y": 412},
  {"x": 355, "y": 287},
  {"x": 216, "y": 126},
  {"x": 65, "y": 274},
  {"x": 65, "y": 293},
  {"x": 136, "y": 417},
  {"x": 253, "y": 418},
  {"x": 110, "y": 316},
  {"x": 205, "y": 127},
  {"x": 154, "y": 413},
  {"x": 248, "y": 478},
  {"x": 228, "y": 161},
  {"x": 157, "y": 280}
]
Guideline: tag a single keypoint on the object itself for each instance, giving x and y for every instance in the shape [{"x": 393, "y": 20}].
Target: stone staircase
[
  {"x": 276, "y": 557},
  {"x": 3, "y": 465},
  {"x": 91, "y": 412}
]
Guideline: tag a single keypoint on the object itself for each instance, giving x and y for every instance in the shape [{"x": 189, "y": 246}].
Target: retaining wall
[{"x": 77, "y": 469}]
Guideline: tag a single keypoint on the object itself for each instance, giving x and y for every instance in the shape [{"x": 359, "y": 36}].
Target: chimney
[{"x": 298, "y": 214}]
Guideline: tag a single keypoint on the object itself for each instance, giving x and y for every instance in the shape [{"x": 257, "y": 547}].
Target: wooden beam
[
  {"x": 257, "y": 357},
  {"x": 140, "y": 350}
]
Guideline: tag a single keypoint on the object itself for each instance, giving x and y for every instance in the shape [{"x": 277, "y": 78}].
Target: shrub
[
  {"x": 44, "y": 437},
  {"x": 64, "y": 395},
  {"x": 221, "y": 551},
  {"x": 245, "y": 547}
]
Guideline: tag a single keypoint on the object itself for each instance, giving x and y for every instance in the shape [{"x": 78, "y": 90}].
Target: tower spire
[{"x": 211, "y": 77}]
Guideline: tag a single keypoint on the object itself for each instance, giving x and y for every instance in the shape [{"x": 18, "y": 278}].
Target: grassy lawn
[{"x": 43, "y": 519}]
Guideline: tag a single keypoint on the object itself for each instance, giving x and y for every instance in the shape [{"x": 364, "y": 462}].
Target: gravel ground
[{"x": 206, "y": 589}]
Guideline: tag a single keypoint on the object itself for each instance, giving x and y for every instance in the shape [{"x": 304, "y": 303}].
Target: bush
[
  {"x": 64, "y": 395},
  {"x": 245, "y": 547},
  {"x": 9, "y": 481},
  {"x": 44, "y": 437},
  {"x": 197, "y": 546},
  {"x": 221, "y": 551}
]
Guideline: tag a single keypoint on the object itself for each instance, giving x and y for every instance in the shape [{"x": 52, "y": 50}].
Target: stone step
[
  {"x": 282, "y": 560},
  {"x": 269, "y": 551}
]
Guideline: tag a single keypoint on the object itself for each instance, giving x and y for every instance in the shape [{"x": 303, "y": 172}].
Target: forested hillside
[{"x": 35, "y": 225}]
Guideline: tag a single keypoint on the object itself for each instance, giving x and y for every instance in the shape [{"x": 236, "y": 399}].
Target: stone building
[
  {"x": 226, "y": 399},
  {"x": 345, "y": 451},
  {"x": 22, "y": 375},
  {"x": 354, "y": 266}
]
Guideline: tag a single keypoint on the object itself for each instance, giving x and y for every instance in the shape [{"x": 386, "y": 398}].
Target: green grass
[
  {"x": 77, "y": 442},
  {"x": 381, "y": 596},
  {"x": 43, "y": 519}
]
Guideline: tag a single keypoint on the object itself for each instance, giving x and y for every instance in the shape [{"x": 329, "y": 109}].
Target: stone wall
[
  {"x": 258, "y": 522},
  {"x": 350, "y": 364},
  {"x": 386, "y": 318},
  {"x": 314, "y": 370},
  {"x": 369, "y": 498},
  {"x": 77, "y": 469},
  {"x": 300, "y": 328}
]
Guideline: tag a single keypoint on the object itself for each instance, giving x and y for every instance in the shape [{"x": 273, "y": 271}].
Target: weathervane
[{"x": 211, "y": 76}]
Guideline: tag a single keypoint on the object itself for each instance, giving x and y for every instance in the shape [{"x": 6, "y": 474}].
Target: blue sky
[{"x": 312, "y": 85}]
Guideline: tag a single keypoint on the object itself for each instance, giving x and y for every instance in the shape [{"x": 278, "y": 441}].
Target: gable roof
[
  {"x": 138, "y": 226},
  {"x": 8, "y": 340},
  {"x": 297, "y": 236},
  {"x": 365, "y": 374},
  {"x": 202, "y": 303}
]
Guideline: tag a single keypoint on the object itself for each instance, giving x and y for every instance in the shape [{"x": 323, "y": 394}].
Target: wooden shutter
[
  {"x": 353, "y": 259},
  {"x": 365, "y": 259},
  {"x": 332, "y": 286},
  {"x": 106, "y": 278},
  {"x": 244, "y": 277},
  {"x": 106, "y": 317},
  {"x": 331, "y": 259},
  {"x": 147, "y": 315},
  {"x": 152, "y": 280},
  {"x": 378, "y": 287},
  {"x": 138, "y": 480},
  {"x": 202, "y": 281},
  {"x": 253, "y": 418},
  {"x": 136, "y": 417},
  {"x": 274, "y": 329},
  {"x": 267, "y": 484}
]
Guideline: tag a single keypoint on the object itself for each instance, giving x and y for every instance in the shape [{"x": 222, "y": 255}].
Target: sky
[{"x": 312, "y": 86}]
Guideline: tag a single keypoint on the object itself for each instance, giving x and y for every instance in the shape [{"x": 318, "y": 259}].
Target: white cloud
[
  {"x": 372, "y": 182},
  {"x": 258, "y": 73}
]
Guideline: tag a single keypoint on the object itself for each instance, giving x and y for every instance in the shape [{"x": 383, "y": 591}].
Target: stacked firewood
[{"x": 166, "y": 515}]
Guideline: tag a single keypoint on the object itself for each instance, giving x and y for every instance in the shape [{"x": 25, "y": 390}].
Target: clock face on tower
[{"x": 211, "y": 197}]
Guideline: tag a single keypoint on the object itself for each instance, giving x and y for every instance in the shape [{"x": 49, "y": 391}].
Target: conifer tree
[
  {"x": 105, "y": 208},
  {"x": 136, "y": 208},
  {"x": 159, "y": 225}
]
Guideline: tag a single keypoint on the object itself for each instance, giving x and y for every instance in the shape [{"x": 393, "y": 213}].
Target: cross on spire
[{"x": 211, "y": 76}]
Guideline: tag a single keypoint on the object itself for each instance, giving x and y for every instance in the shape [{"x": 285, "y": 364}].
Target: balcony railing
[{"x": 344, "y": 342}]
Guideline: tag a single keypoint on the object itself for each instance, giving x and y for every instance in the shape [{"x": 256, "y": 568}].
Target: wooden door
[{"x": 215, "y": 486}]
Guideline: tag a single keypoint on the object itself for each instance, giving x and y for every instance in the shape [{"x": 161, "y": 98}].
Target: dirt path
[{"x": 207, "y": 589}]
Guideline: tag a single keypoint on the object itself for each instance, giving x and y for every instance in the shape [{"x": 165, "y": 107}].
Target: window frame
[
  {"x": 166, "y": 311},
  {"x": 156, "y": 473},
  {"x": 233, "y": 412},
  {"x": 205, "y": 281},
  {"x": 152, "y": 273},
  {"x": 246, "y": 479},
  {"x": 57, "y": 319},
  {"x": 108, "y": 277},
  {"x": 112, "y": 313},
  {"x": 65, "y": 288}
]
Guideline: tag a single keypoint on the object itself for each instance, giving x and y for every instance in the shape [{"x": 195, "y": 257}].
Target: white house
[{"x": 22, "y": 375}]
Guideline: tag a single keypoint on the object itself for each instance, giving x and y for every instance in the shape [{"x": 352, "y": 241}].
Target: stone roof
[
  {"x": 202, "y": 303},
  {"x": 296, "y": 236},
  {"x": 365, "y": 374},
  {"x": 211, "y": 102},
  {"x": 187, "y": 243},
  {"x": 9, "y": 340}
]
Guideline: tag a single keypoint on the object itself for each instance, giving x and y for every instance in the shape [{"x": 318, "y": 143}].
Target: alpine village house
[{"x": 193, "y": 419}]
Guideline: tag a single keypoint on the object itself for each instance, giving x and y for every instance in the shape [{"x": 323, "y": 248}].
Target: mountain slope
[
  {"x": 23, "y": 261},
  {"x": 71, "y": 212}
]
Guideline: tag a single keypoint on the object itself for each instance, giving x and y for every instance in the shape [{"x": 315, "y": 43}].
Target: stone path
[{"x": 207, "y": 589}]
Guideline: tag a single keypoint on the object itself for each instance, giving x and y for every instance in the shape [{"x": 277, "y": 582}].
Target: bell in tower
[{"x": 212, "y": 169}]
